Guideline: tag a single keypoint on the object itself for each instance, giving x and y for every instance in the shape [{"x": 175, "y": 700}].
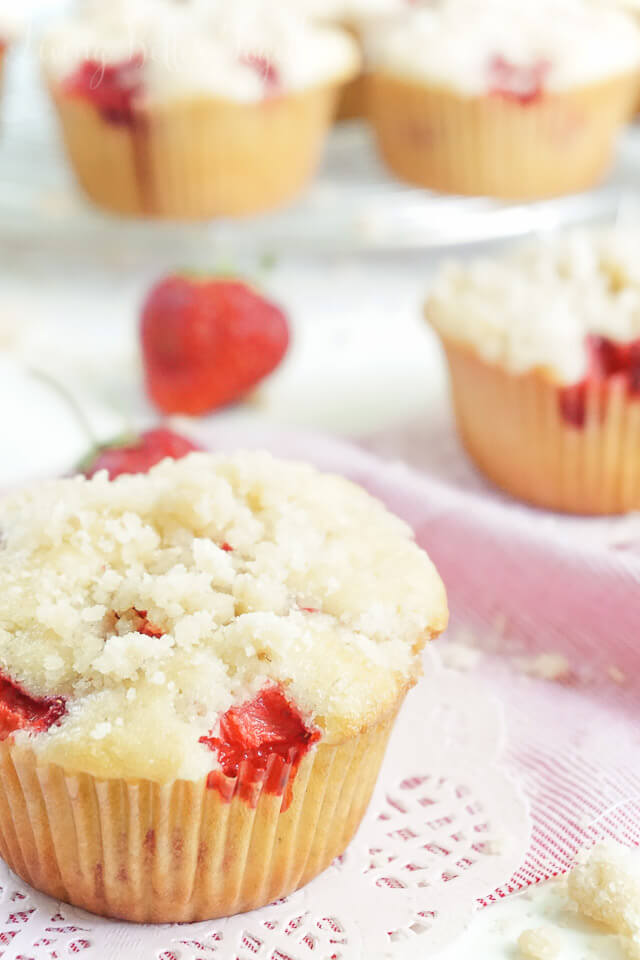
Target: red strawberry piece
[
  {"x": 606, "y": 357},
  {"x": 140, "y": 455},
  {"x": 522, "y": 84},
  {"x": 634, "y": 368},
  {"x": 111, "y": 87},
  {"x": 144, "y": 625},
  {"x": 607, "y": 360},
  {"x": 206, "y": 342},
  {"x": 266, "y": 69},
  {"x": 19, "y": 711},
  {"x": 260, "y": 741},
  {"x": 573, "y": 404}
]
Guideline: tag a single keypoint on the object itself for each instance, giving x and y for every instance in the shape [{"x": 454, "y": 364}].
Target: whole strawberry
[
  {"x": 207, "y": 341},
  {"x": 139, "y": 455}
]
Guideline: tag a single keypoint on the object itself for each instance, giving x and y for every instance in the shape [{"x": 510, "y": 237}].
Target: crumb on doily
[
  {"x": 542, "y": 943},
  {"x": 545, "y": 666}
]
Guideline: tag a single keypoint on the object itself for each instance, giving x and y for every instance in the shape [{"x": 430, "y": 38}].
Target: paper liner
[
  {"x": 352, "y": 102},
  {"x": 151, "y": 852},
  {"x": 513, "y": 428},
  {"x": 488, "y": 145},
  {"x": 200, "y": 158}
]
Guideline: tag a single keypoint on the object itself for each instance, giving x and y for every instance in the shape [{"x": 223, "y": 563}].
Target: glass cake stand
[{"x": 353, "y": 205}]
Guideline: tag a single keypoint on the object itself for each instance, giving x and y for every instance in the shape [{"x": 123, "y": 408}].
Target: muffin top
[
  {"x": 247, "y": 51},
  {"x": 135, "y": 613},
  {"x": 516, "y": 50},
  {"x": 542, "y": 305}
]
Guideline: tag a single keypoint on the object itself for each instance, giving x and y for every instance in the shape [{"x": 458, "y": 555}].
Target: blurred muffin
[
  {"x": 194, "y": 110},
  {"x": 503, "y": 99},
  {"x": 358, "y": 17},
  {"x": 11, "y": 27},
  {"x": 201, "y": 667},
  {"x": 543, "y": 347}
]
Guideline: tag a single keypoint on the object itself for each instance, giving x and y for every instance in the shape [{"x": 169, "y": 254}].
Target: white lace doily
[{"x": 445, "y": 827}]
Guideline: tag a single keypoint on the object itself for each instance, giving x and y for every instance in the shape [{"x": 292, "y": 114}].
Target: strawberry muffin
[
  {"x": 199, "y": 670},
  {"x": 195, "y": 110},
  {"x": 11, "y": 26},
  {"x": 543, "y": 347},
  {"x": 515, "y": 100},
  {"x": 358, "y": 17}
]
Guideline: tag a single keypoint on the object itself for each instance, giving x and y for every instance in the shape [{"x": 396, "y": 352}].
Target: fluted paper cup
[
  {"x": 514, "y": 428},
  {"x": 197, "y": 159},
  {"x": 488, "y": 145},
  {"x": 183, "y": 851}
]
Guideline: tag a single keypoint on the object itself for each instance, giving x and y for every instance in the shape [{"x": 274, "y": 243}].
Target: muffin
[
  {"x": 200, "y": 668},
  {"x": 192, "y": 111},
  {"x": 358, "y": 17},
  {"x": 507, "y": 100},
  {"x": 11, "y": 27},
  {"x": 543, "y": 347}
]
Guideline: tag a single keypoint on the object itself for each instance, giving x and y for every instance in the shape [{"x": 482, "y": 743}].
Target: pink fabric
[{"x": 556, "y": 585}]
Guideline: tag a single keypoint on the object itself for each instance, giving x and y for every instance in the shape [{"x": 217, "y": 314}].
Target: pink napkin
[{"x": 524, "y": 583}]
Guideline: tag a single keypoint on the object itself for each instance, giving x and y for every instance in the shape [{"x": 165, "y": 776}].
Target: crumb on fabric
[{"x": 545, "y": 666}]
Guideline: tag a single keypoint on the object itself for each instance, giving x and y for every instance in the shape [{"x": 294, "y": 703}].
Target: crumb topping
[
  {"x": 550, "y": 45},
  {"x": 246, "y": 51},
  {"x": 542, "y": 305},
  {"x": 152, "y": 604}
]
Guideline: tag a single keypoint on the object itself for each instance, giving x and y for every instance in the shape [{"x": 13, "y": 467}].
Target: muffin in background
[
  {"x": 200, "y": 670},
  {"x": 192, "y": 111},
  {"x": 543, "y": 348},
  {"x": 12, "y": 26},
  {"x": 358, "y": 17},
  {"x": 504, "y": 99}
]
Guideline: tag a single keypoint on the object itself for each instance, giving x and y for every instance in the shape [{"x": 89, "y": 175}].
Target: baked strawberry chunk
[
  {"x": 19, "y": 711},
  {"x": 206, "y": 341},
  {"x": 140, "y": 455},
  {"x": 261, "y": 743},
  {"x": 266, "y": 69},
  {"x": 522, "y": 84},
  {"x": 608, "y": 362},
  {"x": 112, "y": 88}
]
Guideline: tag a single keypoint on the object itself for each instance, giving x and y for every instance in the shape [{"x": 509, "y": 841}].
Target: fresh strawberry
[
  {"x": 111, "y": 87},
  {"x": 207, "y": 341},
  {"x": 138, "y": 456},
  {"x": 19, "y": 711}
]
